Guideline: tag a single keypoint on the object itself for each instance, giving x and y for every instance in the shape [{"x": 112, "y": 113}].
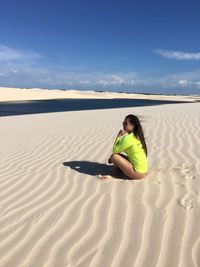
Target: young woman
[{"x": 131, "y": 141}]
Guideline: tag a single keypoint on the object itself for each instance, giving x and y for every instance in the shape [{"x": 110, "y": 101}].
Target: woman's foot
[{"x": 105, "y": 176}]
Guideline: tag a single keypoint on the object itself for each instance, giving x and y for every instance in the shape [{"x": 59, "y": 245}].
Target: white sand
[
  {"x": 55, "y": 212},
  {"x": 15, "y": 94}
]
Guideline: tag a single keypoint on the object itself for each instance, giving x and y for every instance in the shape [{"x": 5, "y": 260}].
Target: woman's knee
[{"x": 113, "y": 157}]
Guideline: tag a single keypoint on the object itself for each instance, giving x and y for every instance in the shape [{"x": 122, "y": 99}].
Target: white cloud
[
  {"x": 189, "y": 84},
  {"x": 93, "y": 78},
  {"x": 12, "y": 54},
  {"x": 178, "y": 55},
  {"x": 114, "y": 80},
  {"x": 84, "y": 82},
  {"x": 183, "y": 83},
  {"x": 18, "y": 70},
  {"x": 46, "y": 77}
]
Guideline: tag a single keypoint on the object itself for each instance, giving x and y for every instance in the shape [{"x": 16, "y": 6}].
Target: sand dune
[
  {"x": 16, "y": 94},
  {"x": 54, "y": 211}
]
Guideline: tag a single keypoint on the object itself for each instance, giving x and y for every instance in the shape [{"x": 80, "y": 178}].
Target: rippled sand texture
[{"x": 54, "y": 211}]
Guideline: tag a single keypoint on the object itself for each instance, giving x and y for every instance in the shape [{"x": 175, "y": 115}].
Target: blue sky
[{"x": 133, "y": 46}]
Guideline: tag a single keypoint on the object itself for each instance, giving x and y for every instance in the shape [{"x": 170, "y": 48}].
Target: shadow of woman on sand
[{"x": 94, "y": 168}]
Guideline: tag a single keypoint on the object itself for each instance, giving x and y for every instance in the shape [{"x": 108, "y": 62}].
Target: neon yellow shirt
[{"x": 132, "y": 146}]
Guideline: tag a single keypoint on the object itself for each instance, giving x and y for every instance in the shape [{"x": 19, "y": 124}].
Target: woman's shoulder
[
  {"x": 130, "y": 136},
  {"x": 133, "y": 137}
]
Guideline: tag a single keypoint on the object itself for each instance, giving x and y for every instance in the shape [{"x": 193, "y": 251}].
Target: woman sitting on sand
[{"x": 131, "y": 141}]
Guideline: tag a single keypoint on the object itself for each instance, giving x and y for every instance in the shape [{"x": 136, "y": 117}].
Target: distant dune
[{"x": 14, "y": 94}]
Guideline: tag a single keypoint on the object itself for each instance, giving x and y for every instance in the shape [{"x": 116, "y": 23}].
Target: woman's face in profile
[{"x": 127, "y": 126}]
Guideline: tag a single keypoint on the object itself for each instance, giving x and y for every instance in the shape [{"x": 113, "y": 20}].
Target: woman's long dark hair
[{"x": 137, "y": 130}]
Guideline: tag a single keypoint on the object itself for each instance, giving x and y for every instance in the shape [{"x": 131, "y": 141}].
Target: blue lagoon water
[{"x": 56, "y": 105}]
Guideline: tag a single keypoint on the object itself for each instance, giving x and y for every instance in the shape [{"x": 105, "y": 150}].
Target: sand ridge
[{"x": 54, "y": 211}]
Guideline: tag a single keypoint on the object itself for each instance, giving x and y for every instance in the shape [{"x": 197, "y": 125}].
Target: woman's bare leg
[
  {"x": 116, "y": 171},
  {"x": 125, "y": 166}
]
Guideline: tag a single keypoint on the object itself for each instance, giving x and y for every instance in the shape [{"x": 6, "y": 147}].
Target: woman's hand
[
  {"x": 121, "y": 132},
  {"x": 109, "y": 161}
]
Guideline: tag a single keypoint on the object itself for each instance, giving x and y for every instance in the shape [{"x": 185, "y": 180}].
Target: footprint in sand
[
  {"x": 187, "y": 174},
  {"x": 187, "y": 201},
  {"x": 186, "y": 170},
  {"x": 190, "y": 176}
]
